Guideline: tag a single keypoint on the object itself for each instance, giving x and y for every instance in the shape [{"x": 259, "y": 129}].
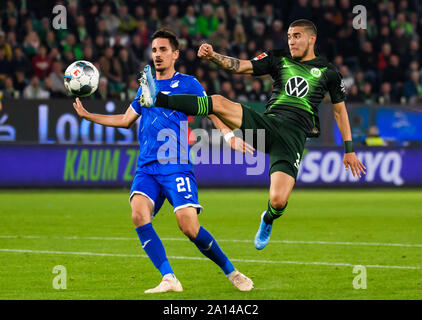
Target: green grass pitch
[{"x": 313, "y": 250}]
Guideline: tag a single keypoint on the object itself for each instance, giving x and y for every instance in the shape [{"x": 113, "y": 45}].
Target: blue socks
[
  {"x": 209, "y": 248},
  {"x": 204, "y": 241},
  {"x": 154, "y": 248}
]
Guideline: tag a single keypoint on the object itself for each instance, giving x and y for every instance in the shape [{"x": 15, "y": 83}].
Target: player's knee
[
  {"x": 187, "y": 220},
  {"x": 188, "y": 230},
  {"x": 139, "y": 218},
  {"x": 278, "y": 202},
  {"x": 217, "y": 102},
  {"x": 217, "y": 98},
  {"x": 141, "y": 210},
  {"x": 188, "y": 227},
  {"x": 136, "y": 218}
]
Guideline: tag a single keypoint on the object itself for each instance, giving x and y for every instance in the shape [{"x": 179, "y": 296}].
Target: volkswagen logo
[{"x": 297, "y": 87}]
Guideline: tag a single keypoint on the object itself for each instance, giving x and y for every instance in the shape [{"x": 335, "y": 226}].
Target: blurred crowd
[{"x": 380, "y": 64}]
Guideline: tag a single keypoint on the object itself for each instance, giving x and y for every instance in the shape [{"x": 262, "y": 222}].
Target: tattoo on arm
[{"x": 227, "y": 63}]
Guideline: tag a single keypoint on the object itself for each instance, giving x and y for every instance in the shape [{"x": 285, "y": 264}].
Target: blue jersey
[{"x": 163, "y": 133}]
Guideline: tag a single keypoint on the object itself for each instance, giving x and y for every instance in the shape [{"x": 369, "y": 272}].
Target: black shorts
[{"x": 284, "y": 141}]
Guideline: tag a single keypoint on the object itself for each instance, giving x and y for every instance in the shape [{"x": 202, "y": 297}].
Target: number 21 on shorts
[{"x": 181, "y": 184}]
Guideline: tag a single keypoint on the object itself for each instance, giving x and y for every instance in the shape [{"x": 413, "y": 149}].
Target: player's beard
[
  {"x": 160, "y": 69},
  {"x": 305, "y": 53}
]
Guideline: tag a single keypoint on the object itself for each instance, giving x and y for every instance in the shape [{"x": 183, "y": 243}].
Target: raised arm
[
  {"x": 350, "y": 159},
  {"x": 116, "y": 120},
  {"x": 231, "y": 64}
]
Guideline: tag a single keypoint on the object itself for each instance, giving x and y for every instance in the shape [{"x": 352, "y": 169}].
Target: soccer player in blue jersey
[{"x": 161, "y": 176}]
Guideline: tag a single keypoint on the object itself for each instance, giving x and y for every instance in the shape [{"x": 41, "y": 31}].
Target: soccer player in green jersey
[{"x": 301, "y": 80}]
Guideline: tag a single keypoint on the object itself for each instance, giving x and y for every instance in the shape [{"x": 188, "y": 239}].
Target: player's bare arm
[
  {"x": 231, "y": 64},
  {"x": 235, "y": 143},
  {"x": 125, "y": 120},
  {"x": 350, "y": 159}
]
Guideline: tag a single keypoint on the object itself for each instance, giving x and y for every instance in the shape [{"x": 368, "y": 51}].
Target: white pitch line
[
  {"x": 315, "y": 263},
  {"x": 344, "y": 243}
]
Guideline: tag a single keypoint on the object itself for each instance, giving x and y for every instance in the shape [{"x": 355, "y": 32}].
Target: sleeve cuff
[{"x": 134, "y": 110}]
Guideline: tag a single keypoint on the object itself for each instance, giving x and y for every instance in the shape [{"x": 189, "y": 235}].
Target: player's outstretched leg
[
  {"x": 227, "y": 111},
  {"x": 187, "y": 103}
]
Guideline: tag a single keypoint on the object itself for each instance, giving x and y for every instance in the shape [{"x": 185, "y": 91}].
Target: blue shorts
[{"x": 179, "y": 188}]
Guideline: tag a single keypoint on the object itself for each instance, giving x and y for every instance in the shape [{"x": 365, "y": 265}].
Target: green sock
[
  {"x": 272, "y": 213},
  {"x": 186, "y": 103}
]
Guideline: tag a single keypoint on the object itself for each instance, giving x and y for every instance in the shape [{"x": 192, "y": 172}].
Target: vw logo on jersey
[
  {"x": 297, "y": 86},
  {"x": 174, "y": 83}
]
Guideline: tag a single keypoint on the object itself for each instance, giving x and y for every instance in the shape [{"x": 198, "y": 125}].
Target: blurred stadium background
[
  {"x": 381, "y": 66},
  {"x": 43, "y": 144}
]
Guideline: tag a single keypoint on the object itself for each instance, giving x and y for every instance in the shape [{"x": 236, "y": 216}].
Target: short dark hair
[
  {"x": 167, "y": 34},
  {"x": 309, "y": 25}
]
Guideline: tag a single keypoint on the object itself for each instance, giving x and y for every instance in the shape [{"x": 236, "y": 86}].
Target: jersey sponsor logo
[
  {"x": 297, "y": 87},
  {"x": 174, "y": 83},
  {"x": 316, "y": 72},
  {"x": 261, "y": 56}
]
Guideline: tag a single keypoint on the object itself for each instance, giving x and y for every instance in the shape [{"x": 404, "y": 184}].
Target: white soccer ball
[{"x": 81, "y": 78}]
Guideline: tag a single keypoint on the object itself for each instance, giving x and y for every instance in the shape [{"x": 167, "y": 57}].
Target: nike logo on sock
[
  {"x": 209, "y": 246},
  {"x": 145, "y": 243}
]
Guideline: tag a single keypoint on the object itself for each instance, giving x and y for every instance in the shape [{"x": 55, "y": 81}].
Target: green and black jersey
[{"x": 299, "y": 87}]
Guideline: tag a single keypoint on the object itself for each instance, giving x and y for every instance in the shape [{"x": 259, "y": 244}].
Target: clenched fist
[{"x": 205, "y": 51}]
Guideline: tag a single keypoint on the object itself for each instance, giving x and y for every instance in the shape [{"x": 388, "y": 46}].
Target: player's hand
[
  {"x": 240, "y": 145},
  {"x": 80, "y": 109},
  {"x": 352, "y": 162},
  {"x": 205, "y": 51}
]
